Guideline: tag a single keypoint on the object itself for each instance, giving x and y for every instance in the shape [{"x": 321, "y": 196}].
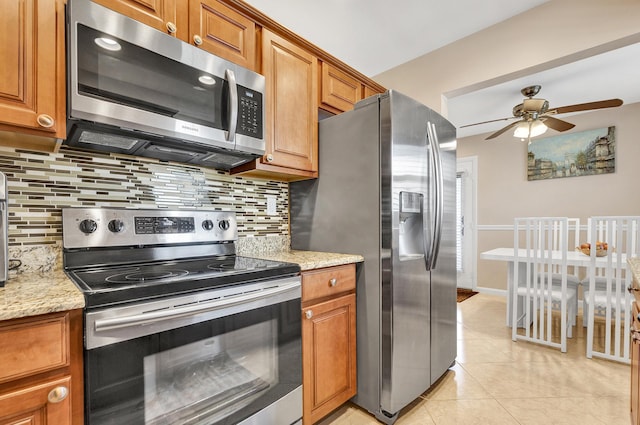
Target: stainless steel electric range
[{"x": 178, "y": 328}]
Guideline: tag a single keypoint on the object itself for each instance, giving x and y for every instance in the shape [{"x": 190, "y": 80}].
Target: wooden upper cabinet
[
  {"x": 223, "y": 31},
  {"x": 368, "y": 91},
  {"x": 338, "y": 90},
  {"x": 292, "y": 116},
  {"x": 32, "y": 75},
  {"x": 168, "y": 16},
  {"x": 291, "y": 130}
]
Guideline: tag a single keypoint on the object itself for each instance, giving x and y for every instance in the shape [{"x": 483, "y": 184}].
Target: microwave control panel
[{"x": 250, "y": 112}]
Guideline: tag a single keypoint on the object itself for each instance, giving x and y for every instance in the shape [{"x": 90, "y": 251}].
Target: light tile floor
[{"x": 496, "y": 381}]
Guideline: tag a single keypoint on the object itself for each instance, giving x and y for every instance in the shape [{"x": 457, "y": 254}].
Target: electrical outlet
[{"x": 271, "y": 204}]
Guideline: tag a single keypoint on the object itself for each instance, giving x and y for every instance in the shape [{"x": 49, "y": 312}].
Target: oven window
[
  {"x": 121, "y": 72},
  {"x": 221, "y": 371}
]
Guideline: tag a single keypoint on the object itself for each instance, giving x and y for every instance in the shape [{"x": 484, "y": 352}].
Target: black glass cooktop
[{"x": 108, "y": 285}]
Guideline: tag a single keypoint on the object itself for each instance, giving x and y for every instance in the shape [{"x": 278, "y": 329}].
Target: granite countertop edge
[{"x": 34, "y": 293}]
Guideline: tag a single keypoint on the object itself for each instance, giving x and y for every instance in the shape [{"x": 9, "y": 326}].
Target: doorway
[{"x": 466, "y": 232}]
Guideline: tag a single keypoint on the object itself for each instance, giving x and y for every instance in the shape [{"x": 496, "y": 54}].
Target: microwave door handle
[{"x": 233, "y": 104}]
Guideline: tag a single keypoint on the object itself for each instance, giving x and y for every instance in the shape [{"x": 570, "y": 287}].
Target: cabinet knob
[
  {"x": 333, "y": 282},
  {"x": 58, "y": 394},
  {"x": 631, "y": 289},
  {"x": 269, "y": 158},
  {"x": 308, "y": 314},
  {"x": 45, "y": 120},
  {"x": 171, "y": 27},
  {"x": 197, "y": 40}
]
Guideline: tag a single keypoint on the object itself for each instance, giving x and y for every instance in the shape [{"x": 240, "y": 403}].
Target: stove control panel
[{"x": 108, "y": 227}]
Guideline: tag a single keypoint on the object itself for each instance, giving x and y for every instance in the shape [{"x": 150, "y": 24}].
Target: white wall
[
  {"x": 552, "y": 34},
  {"x": 504, "y": 191}
]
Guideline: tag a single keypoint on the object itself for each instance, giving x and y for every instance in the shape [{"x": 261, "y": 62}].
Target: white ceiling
[{"x": 373, "y": 36}]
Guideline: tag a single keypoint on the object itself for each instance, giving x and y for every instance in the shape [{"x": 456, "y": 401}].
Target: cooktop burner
[
  {"x": 118, "y": 256},
  {"x": 112, "y": 284},
  {"x": 145, "y": 274}
]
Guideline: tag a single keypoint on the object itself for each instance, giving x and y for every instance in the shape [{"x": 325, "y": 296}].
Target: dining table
[{"x": 575, "y": 258}]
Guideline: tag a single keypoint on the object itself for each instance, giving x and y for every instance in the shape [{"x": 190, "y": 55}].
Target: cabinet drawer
[
  {"x": 36, "y": 346},
  {"x": 326, "y": 282}
]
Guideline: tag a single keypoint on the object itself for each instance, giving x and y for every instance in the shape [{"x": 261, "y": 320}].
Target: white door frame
[{"x": 468, "y": 167}]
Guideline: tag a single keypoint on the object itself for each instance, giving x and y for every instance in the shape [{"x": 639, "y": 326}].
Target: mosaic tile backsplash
[{"x": 40, "y": 184}]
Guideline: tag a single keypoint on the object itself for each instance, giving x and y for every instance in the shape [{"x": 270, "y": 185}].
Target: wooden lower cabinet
[
  {"x": 41, "y": 370},
  {"x": 635, "y": 366},
  {"x": 328, "y": 340}
]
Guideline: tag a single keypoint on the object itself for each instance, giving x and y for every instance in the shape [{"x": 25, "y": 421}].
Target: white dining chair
[
  {"x": 537, "y": 295},
  {"x": 572, "y": 236},
  {"x": 606, "y": 295}
]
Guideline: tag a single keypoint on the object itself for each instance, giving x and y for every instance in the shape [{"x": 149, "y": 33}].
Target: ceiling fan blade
[
  {"x": 503, "y": 129},
  {"x": 610, "y": 103},
  {"x": 485, "y": 122},
  {"x": 556, "y": 124}
]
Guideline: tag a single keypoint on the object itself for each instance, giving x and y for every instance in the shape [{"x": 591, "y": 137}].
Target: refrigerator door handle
[
  {"x": 428, "y": 250},
  {"x": 432, "y": 137}
]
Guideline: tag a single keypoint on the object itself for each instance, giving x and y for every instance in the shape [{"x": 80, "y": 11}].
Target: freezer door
[{"x": 407, "y": 232}]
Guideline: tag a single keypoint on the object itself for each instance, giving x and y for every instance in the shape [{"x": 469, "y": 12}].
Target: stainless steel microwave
[{"x": 135, "y": 90}]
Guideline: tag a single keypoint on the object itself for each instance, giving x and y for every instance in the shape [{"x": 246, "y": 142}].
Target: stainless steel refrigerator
[{"x": 387, "y": 191}]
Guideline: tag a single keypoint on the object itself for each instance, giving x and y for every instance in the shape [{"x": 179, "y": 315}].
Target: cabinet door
[
  {"x": 32, "y": 75},
  {"x": 46, "y": 403},
  {"x": 223, "y": 32},
  {"x": 339, "y": 90},
  {"x": 292, "y": 100},
  {"x": 168, "y": 16},
  {"x": 328, "y": 355},
  {"x": 635, "y": 378}
]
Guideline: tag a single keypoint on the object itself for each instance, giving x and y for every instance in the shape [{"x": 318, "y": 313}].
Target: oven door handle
[{"x": 190, "y": 310}]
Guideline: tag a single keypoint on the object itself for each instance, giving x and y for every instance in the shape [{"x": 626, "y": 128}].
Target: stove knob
[
  {"x": 223, "y": 224},
  {"x": 207, "y": 225},
  {"x": 88, "y": 226},
  {"x": 116, "y": 226}
]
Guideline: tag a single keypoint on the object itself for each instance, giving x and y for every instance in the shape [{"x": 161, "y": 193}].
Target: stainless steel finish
[
  {"x": 108, "y": 326},
  {"x": 196, "y": 307},
  {"x": 286, "y": 410},
  {"x": 396, "y": 215},
  {"x": 58, "y": 394},
  {"x": 4, "y": 230},
  {"x": 233, "y": 100},
  {"x": 126, "y": 125},
  {"x": 74, "y": 237}
]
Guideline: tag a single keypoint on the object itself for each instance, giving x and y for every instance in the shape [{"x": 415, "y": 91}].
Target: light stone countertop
[
  {"x": 37, "y": 292},
  {"x": 309, "y": 260},
  {"x": 34, "y": 293}
]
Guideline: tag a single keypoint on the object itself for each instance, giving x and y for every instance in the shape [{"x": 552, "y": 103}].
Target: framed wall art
[{"x": 583, "y": 153}]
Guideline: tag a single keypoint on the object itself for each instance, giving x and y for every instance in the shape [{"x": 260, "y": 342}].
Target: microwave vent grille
[{"x": 111, "y": 140}]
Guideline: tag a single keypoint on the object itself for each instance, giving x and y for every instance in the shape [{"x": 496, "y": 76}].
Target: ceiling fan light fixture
[{"x": 528, "y": 129}]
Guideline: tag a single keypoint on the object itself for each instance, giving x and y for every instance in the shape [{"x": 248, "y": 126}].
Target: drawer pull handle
[
  {"x": 171, "y": 27},
  {"x": 45, "y": 121},
  {"x": 197, "y": 40},
  {"x": 308, "y": 314},
  {"x": 333, "y": 282},
  {"x": 631, "y": 289},
  {"x": 58, "y": 394}
]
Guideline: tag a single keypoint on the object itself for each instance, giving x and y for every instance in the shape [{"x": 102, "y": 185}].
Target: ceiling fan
[{"x": 535, "y": 115}]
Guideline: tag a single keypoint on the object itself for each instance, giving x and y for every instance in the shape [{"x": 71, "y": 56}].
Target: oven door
[{"x": 219, "y": 357}]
